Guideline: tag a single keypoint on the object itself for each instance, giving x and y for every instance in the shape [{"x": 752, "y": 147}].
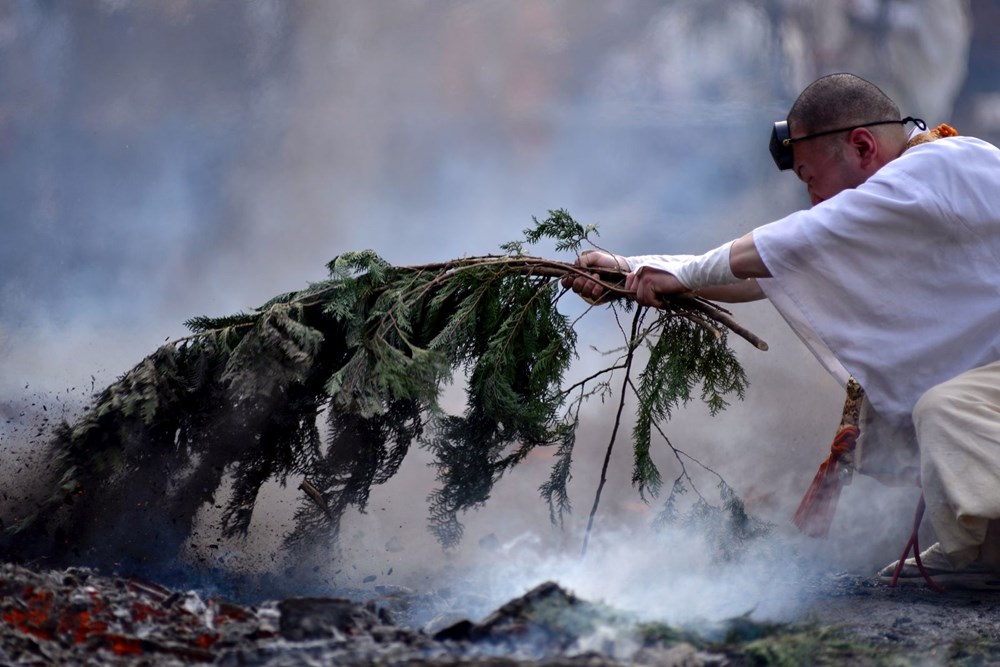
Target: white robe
[
  {"x": 898, "y": 278},
  {"x": 896, "y": 282}
]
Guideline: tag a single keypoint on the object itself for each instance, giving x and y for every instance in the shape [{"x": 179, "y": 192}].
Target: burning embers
[{"x": 75, "y": 615}]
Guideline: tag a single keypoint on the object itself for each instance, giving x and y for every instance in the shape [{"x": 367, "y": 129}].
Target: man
[{"x": 892, "y": 277}]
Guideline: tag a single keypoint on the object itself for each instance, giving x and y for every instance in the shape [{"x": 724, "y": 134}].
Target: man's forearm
[
  {"x": 721, "y": 273},
  {"x": 748, "y": 290}
]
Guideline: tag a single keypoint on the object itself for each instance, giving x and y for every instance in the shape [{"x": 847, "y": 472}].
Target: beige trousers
[{"x": 958, "y": 433}]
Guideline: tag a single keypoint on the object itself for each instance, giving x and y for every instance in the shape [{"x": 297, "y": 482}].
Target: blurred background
[{"x": 162, "y": 160}]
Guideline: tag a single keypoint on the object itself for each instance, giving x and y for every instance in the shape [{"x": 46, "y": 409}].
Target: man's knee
[
  {"x": 973, "y": 394},
  {"x": 937, "y": 402}
]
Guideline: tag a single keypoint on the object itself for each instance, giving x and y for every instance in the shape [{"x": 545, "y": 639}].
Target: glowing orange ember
[{"x": 124, "y": 645}]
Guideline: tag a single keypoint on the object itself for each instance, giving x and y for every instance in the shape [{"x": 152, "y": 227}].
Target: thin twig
[
  {"x": 636, "y": 319},
  {"x": 703, "y": 323},
  {"x": 677, "y": 455},
  {"x": 610, "y": 369}
]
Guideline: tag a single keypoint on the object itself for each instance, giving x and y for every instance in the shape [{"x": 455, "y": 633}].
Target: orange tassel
[
  {"x": 939, "y": 132},
  {"x": 945, "y": 130},
  {"x": 815, "y": 513}
]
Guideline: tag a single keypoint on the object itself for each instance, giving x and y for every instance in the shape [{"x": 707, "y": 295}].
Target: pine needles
[{"x": 371, "y": 347}]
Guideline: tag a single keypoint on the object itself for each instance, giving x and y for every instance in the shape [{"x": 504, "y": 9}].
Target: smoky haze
[{"x": 172, "y": 159}]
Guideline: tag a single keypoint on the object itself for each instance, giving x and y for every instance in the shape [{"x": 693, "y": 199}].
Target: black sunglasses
[{"x": 781, "y": 138}]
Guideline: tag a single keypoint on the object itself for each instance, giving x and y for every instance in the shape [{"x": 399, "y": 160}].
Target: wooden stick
[
  {"x": 316, "y": 497},
  {"x": 722, "y": 317}
]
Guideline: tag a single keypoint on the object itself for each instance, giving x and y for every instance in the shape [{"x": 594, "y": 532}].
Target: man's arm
[
  {"x": 745, "y": 261},
  {"x": 649, "y": 283},
  {"x": 748, "y": 290}
]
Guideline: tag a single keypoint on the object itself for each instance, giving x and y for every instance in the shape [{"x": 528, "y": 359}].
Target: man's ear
[{"x": 864, "y": 145}]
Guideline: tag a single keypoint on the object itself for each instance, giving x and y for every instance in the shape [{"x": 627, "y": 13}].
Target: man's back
[{"x": 900, "y": 277}]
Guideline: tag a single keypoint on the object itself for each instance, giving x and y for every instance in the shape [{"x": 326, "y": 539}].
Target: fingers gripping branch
[{"x": 598, "y": 278}]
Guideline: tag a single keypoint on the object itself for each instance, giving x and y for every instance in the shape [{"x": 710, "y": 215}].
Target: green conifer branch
[{"x": 372, "y": 346}]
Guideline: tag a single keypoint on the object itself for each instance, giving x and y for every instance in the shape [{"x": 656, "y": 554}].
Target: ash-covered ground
[{"x": 78, "y": 616}]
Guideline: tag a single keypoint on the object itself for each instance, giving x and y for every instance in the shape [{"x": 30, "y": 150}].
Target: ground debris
[
  {"x": 74, "y": 616},
  {"x": 78, "y": 616}
]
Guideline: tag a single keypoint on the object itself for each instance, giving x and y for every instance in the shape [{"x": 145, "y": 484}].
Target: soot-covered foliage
[{"x": 330, "y": 387}]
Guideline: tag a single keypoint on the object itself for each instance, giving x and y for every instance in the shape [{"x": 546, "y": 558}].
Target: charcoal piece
[
  {"x": 456, "y": 632},
  {"x": 319, "y": 618},
  {"x": 545, "y": 621}
]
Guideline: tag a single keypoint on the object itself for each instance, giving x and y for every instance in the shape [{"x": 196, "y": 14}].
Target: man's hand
[
  {"x": 647, "y": 285},
  {"x": 586, "y": 287},
  {"x": 651, "y": 284}
]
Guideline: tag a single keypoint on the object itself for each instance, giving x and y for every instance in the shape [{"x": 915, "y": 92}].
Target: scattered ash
[
  {"x": 78, "y": 616},
  {"x": 954, "y": 627}
]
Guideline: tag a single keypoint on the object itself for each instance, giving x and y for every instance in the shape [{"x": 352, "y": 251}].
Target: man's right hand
[{"x": 587, "y": 287}]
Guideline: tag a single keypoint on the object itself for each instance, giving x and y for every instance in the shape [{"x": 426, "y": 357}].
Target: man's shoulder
[
  {"x": 944, "y": 160},
  {"x": 953, "y": 176},
  {"x": 958, "y": 149}
]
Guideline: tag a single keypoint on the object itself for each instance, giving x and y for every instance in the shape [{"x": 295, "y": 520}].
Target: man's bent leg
[{"x": 958, "y": 431}]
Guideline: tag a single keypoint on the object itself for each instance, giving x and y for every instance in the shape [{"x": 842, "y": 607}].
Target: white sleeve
[
  {"x": 693, "y": 271},
  {"x": 668, "y": 263}
]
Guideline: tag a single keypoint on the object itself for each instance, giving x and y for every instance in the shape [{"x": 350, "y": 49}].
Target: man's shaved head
[{"x": 839, "y": 100}]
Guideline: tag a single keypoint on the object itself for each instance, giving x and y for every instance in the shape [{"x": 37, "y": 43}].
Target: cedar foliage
[{"x": 371, "y": 347}]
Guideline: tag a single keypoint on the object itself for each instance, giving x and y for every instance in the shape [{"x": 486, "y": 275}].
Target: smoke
[
  {"x": 172, "y": 159},
  {"x": 669, "y": 577}
]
